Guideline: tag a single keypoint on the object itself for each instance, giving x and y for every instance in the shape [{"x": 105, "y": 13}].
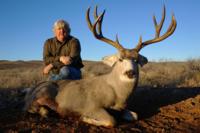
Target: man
[{"x": 61, "y": 54}]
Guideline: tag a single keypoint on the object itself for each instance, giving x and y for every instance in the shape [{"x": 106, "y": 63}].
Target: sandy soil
[{"x": 160, "y": 110}]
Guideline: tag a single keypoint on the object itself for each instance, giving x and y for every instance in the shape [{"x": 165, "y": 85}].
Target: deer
[{"x": 92, "y": 97}]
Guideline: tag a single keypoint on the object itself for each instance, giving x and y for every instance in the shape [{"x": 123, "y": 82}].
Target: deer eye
[
  {"x": 135, "y": 60},
  {"x": 120, "y": 59}
]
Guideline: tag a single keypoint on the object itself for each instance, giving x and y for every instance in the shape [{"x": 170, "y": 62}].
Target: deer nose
[{"x": 130, "y": 74}]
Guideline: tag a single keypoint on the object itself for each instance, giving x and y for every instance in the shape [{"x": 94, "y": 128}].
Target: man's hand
[
  {"x": 47, "y": 68},
  {"x": 65, "y": 60}
]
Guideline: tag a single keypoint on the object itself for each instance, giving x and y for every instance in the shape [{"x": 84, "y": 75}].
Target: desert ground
[{"x": 167, "y": 99}]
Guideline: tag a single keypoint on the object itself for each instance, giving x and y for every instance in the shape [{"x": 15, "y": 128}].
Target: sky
[{"x": 26, "y": 24}]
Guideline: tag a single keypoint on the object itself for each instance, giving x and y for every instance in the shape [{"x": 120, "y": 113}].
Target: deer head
[{"x": 128, "y": 58}]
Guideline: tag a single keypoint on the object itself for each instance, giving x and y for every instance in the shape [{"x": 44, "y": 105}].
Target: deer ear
[
  {"x": 142, "y": 60},
  {"x": 110, "y": 60}
]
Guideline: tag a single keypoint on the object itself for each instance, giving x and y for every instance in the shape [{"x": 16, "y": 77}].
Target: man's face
[{"x": 61, "y": 34}]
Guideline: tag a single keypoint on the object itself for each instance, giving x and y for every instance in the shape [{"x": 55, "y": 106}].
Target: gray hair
[{"x": 61, "y": 24}]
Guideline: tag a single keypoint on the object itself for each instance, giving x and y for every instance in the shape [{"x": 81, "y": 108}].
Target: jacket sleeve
[
  {"x": 48, "y": 57},
  {"x": 75, "y": 50}
]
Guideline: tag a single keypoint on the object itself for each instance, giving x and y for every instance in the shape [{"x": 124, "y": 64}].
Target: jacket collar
[{"x": 62, "y": 43}]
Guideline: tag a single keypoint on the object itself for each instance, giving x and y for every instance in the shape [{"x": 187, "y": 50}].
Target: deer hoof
[
  {"x": 129, "y": 115},
  {"x": 43, "y": 112}
]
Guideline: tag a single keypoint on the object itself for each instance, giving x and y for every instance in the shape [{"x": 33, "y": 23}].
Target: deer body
[
  {"x": 88, "y": 97},
  {"x": 106, "y": 91},
  {"x": 92, "y": 96}
]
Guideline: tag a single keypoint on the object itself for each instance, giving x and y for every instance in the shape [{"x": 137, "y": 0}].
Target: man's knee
[
  {"x": 75, "y": 73},
  {"x": 65, "y": 70}
]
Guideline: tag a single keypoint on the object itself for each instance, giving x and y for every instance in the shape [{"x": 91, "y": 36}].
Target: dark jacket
[{"x": 53, "y": 49}]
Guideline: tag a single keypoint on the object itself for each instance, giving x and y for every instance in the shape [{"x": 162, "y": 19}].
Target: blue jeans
[{"x": 66, "y": 72}]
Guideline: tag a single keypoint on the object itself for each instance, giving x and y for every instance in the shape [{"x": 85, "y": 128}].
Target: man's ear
[
  {"x": 110, "y": 60},
  {"x": 142, "y": 60}
]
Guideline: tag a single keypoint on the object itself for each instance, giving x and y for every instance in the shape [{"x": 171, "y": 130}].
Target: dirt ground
[{"x": 169, "y": 110}]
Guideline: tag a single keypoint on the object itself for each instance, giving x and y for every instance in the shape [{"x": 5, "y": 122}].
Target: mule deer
[{"x": 90, "y": 97}]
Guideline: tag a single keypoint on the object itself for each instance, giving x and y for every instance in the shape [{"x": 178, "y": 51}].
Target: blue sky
[{"x": 26, "y": 24}]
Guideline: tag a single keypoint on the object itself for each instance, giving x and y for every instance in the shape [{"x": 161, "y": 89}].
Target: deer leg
[
  {"x": 48, "y": 102},
  {"x": 33, "y": 108},
  {"x": 99, "y": 118},
  {"x": 41, "y": 102}
]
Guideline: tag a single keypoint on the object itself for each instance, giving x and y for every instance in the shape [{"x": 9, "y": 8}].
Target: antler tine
[
  {"x": 98, "y": 24},
  {"x": 158, "y": 28},
  {"x": 96, "y": 16},
  {"x": 95, "y": 13},
  {"x": 88, "y": 19}
]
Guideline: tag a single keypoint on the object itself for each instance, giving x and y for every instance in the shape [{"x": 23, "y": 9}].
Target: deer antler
[
  {"x": 129, "y": 53},
  {"x": 97, "y": 25},
  {"x": 158, "y": 28}
]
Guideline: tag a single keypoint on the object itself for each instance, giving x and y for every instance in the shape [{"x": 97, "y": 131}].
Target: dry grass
[
  {"x": 22, "y": 74},
  {"x": 171, "y": 74}
]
